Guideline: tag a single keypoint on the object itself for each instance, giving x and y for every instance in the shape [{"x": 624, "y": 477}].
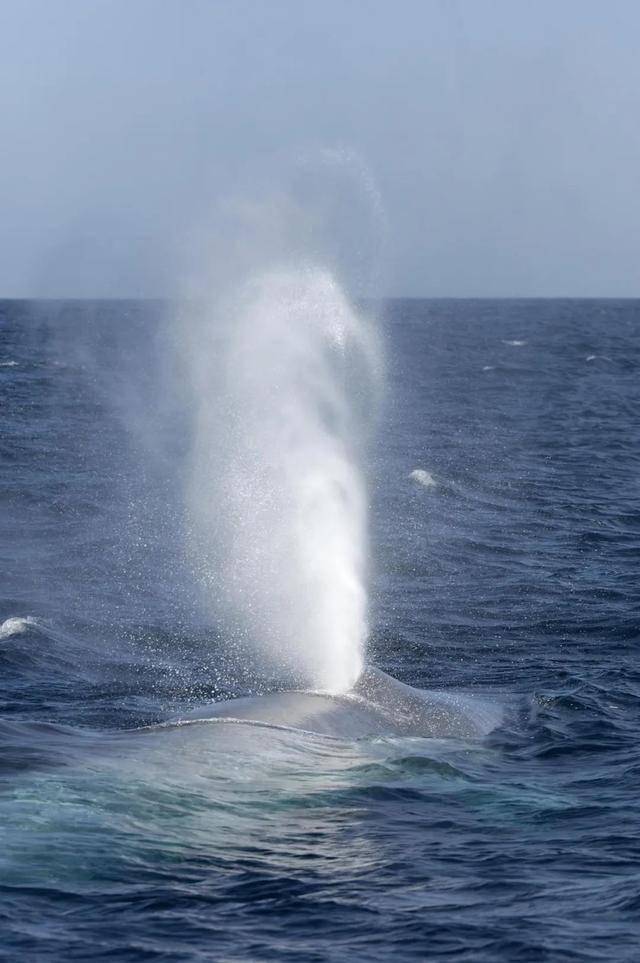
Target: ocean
[{"x": 503, "y": 479}]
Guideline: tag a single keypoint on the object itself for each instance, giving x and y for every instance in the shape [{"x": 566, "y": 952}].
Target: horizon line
[{"x": 369, "y": 297}]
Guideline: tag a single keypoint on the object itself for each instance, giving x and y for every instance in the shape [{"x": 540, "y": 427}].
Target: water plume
[
  {"x": 283, "y": 372},
  {"x": 241, "y": 420}
]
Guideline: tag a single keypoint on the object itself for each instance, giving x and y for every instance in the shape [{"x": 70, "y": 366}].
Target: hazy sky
[{"x": 503, "y": 135}]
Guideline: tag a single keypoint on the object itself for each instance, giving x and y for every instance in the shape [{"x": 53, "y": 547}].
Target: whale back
[{"x": 378, "y": 705}]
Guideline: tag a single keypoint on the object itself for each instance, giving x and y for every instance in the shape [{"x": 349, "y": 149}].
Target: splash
[{"x": 284, "y": 374}]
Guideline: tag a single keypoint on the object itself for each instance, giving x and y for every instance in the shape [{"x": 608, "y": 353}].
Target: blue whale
[{"x": 378, "y": 705}]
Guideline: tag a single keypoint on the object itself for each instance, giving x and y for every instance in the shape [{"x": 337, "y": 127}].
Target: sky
[{"x": 496, "y": 142}]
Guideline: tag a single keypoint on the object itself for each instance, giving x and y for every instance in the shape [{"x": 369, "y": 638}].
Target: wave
[
  {"x": 17, "y": 625},
  {"x": 423, "y": 477}
]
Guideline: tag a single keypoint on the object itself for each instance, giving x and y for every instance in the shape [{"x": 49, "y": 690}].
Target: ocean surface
[{"x": 505, "y": 561}]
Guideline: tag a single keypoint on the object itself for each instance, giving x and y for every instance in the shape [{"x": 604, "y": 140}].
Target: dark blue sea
[{"x": 509, "y": 568}]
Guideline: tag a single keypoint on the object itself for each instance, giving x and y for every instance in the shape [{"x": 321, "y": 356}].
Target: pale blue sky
[{"x": 503, "y": 135}]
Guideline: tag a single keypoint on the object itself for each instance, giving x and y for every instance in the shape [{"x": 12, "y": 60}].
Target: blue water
[{"x": 514, "y": 575}]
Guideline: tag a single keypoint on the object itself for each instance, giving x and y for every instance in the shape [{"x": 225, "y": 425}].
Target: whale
[{"x": 378, "y": 705}]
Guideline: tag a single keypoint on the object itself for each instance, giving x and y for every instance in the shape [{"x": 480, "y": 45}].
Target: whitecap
[
  {"x": 16, "y": 626},
  {"x": 599, "y": 357},
  {"x": 422, "y": 477},
  {"x": 8, "y": 364},
  {"x": 488, "y": 367},
  {"x": 515, "y": 343}
]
